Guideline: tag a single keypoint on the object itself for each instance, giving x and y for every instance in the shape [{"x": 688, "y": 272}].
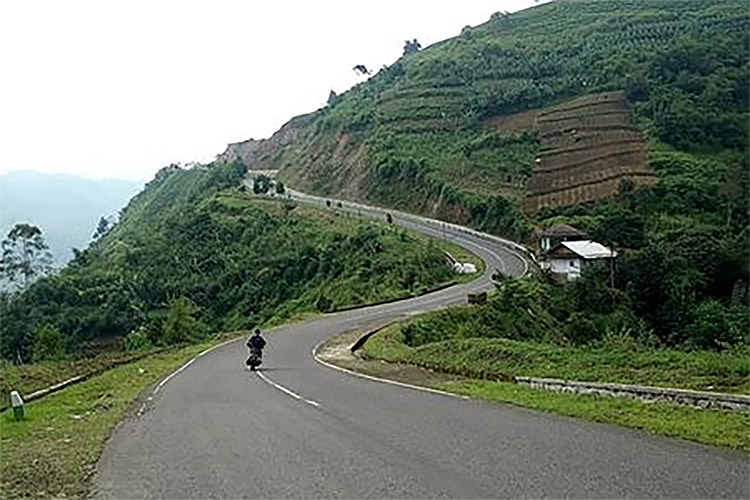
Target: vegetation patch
[
  {"x": 713, "y": 427},
  {"x": 52, "y": 453},
  {"x": 474, "y": 358},
  {"x": 32, "y": 377},
  {"x": 193, "y": 254},
  {"x": 614, "y": 360},
  {"x": 412, "y": 128}
]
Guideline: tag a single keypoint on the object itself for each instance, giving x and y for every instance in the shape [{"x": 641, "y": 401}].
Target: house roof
[
  {"x": 588, "y": 249},
  {"x": 562, "y": 230}
]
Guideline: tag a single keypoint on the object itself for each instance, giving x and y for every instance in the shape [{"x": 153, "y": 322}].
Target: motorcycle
[{"x": 255, "y": 358}]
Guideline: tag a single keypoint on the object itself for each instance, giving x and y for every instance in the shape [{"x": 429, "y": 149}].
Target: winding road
[{"x": 298, "y": 429}]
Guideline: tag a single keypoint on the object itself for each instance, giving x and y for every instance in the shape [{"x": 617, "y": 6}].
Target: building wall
[{"x": 570, "y": 267}]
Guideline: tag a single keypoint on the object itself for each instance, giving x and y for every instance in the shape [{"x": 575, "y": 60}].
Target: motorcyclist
[{"x": 256, "y": 343}]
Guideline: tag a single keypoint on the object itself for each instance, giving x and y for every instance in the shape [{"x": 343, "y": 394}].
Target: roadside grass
[
  {"x": 52, "y": 453},
  {"x": 31, "y": 377},
  {"x": 462, "y": 255},
  {"x": 713, "y": 427},
  {"x": 497, "y": 358},
  {"x": 487, "y": 365}
]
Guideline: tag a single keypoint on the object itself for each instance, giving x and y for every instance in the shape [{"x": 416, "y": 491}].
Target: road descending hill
[{"x": 297, "y": 429}]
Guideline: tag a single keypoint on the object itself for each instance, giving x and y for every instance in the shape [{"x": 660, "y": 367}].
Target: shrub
[
  {"x": 581, "y": 330},
  {"x": 181, "y": 325},
  {"x": 137, "y": 340},
  {"x": 710, "y": 327},
  {"x": 323, "y": 304},
  {"x": 47, "y": 343}
]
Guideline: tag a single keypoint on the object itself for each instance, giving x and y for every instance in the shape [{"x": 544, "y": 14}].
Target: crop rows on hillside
[
  {"x": 560, "y": 143},
  {"x": 579, "y": 163}
]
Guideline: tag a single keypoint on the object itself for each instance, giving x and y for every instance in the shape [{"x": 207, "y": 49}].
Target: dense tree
[
  {"x": 25, "y": 255},
  {"x": 261, "y": 184},
  {"x": 101, "y": 228}
]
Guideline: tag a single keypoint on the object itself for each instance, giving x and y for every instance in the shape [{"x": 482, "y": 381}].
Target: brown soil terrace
[{"x": 589, "y": 145}]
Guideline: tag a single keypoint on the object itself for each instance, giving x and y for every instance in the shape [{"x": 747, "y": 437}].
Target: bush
[
  {"x": 47, "y": 343},
  {"x": 581, "y": 330},
  {"x": 710, "y": 326},
  {"x": 324, "y": 304},
  {"x": 181, "y": 325},
  {"x": 137, "y": 340}
]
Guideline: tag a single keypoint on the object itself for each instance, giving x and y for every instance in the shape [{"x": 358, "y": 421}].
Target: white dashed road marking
[{"x": 287, "y": 391}]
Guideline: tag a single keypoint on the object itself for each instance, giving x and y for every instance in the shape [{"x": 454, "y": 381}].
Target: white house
[{"x": 568, "y": 258}]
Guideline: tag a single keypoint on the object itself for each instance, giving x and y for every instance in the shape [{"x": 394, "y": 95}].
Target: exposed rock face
[
  {"x": 243, "y": 151},
  {"x": 258, "y": 154}
]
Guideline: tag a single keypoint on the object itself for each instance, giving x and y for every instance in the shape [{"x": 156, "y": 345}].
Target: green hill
[
  {"x": 193, "y": 254},
  {"x": 435, "y": 121},
  {"x": 625, "y": 118}
]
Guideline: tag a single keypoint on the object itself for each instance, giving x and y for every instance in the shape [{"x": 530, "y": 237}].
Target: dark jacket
[{"x": 256, "y": 341}]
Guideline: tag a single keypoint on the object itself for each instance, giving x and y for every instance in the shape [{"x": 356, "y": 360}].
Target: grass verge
[
  {"x": 53, "y": 452},
  {"x": 31, "y": 377},
  {"x": 471, "y": 368},
  {"x": 714, "y": 427},
  {"x": 493, "y": 358}
]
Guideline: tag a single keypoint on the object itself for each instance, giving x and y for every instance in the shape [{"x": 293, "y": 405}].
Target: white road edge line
[
  {"x": 169, "y": 377},
  {"x": 383, "y": 380},
  {"x": 287, "y": 391}
]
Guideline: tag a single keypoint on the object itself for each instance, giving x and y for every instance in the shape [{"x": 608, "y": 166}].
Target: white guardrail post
[{"x": 16, "y": 401}]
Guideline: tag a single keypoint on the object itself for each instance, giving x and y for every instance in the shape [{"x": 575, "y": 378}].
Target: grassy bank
[
  {"x": 714, "y": 427},
  {"x": 461, "y": 255},
  {"x": 488, "y": 362},
  {"x": 53, "y": 452},
  {"x": 31, "y": 377},
  {"x": 608, "y": 361}
]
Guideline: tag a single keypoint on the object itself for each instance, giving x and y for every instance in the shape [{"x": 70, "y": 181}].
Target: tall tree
[
  {"x": 25, "y": 255},
  {"x": 101, "y": 228}
]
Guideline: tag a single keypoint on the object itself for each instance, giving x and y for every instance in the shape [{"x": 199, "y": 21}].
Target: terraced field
[{"x": 589, "y": 145}]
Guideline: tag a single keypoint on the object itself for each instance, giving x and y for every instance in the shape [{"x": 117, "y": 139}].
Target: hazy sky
[{"x": 120, "y": 89}]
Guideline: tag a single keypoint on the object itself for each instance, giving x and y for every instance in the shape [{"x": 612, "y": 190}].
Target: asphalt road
[{"x": 301, "y": 430}]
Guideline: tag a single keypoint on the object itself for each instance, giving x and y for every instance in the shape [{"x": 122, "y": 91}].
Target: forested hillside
[{"x": 194, "y": 255}]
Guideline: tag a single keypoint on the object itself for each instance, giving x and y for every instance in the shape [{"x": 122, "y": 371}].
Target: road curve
[{"x": 301, "y": 430}]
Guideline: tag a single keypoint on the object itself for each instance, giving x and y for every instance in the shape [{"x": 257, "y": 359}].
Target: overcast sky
[{"x": 107, "y": 89}]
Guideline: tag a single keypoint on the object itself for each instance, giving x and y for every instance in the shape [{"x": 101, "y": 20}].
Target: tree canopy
[{"x": 25, "y": 255}]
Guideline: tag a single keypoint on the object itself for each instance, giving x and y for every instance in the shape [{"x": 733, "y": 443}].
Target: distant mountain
[{"x": 65, "y": 207}]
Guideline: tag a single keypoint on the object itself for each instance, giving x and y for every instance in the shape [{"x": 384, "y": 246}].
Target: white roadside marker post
[{"x": 17, "y": 403}]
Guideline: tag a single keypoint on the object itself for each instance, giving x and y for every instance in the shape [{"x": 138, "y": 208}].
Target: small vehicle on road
[{"x": 255, "y": 343}]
